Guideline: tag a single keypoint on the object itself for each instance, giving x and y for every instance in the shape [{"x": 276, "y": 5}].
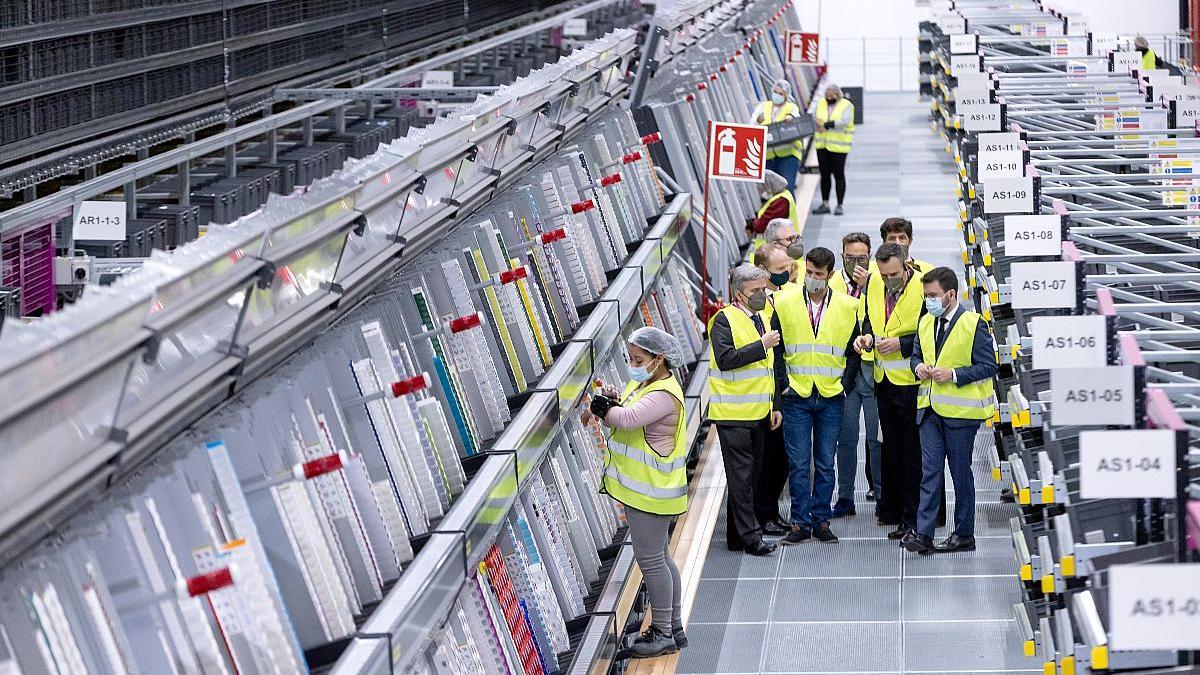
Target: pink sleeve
[{"x": 651, "y": 408}]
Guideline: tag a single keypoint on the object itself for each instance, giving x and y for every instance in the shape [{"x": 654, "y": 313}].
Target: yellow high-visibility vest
[
  {"x": 1149, "y": 61},
  {"x": 636, "y": 475},
  {"x": 974, "y": 401},
  {"x": 771, "y": 115},
  {"x": 834, "y": 140},
  {"x": 815, "y": 360},
  {"x": 743, "y": 394},
  {"x": 902, "y": 322},
  {"x": 786, "y": 195}
]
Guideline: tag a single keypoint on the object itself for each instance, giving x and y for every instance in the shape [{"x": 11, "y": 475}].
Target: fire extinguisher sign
[
  {"x": 802, "y": 48},
  {"x": 736, "y": 151}
]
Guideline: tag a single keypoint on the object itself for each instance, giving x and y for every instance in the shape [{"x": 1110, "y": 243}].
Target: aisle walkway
[{"x": 864, "y": 605}]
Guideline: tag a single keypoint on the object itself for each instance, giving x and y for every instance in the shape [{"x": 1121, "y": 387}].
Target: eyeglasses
[
  {"x": 787, "y": 240},
  {"x": 856, "y": 258}
]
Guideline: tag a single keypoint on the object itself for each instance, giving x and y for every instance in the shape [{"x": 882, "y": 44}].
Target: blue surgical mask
[
  {"x": 777, "y": 98},
  {"x": 934, "y": 307},
  {"x": 639, "y": 373}
]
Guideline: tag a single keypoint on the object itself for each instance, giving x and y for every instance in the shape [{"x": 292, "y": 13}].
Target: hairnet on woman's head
[
  {"x": 774, "y": 182},
  {"x": 784, "y": 85},
  {"x": 658, "y": 342},
  {"x": 1141, "y": 43}
]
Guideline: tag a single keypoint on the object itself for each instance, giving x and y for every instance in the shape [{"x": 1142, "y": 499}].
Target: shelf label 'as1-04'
[
  {"x": 1154, "y": 607},
  {"x": 1082, "y": 396},
  {"x": 1069, "y": 341},
  {"x": 1008, "y": 195},
  {"x": 1127, "y": 464},
  {"x": 1043, "y": 285}
]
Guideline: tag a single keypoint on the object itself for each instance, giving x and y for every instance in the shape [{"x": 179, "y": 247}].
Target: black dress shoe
[
  {"x": 919, "y": 543},
  {"x": 760, "y": 548},
  {"x": 898, "y": 533},
  {"x": 955, "y": 543},
  {"x": 737, "y": 548},
  {"x": 774, "y": 528},
  {"x": 886, "y": 522}
]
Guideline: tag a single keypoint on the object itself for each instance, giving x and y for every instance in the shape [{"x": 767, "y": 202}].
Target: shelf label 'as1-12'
[
  {"x": 1043, "y": 285},
  {"x": 1127, "y": 464},
  {"x": 1082, "y": 396},
  {"x": 1154, "y": 607},
  {"x": 1008, "y": 195},
  {"x": 1069, "y": 341}
]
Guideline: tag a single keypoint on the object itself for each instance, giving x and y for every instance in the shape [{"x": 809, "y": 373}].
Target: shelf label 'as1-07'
[
  {"x": 1043, "y": 285},
  {"x": 1127, "y": 464},
  {"x": 1069, "y": 341},
  {"x": 1154, "y": 607},
  {"x": 1101, "y": 396},
  {"x": 1008, "y": 195}
]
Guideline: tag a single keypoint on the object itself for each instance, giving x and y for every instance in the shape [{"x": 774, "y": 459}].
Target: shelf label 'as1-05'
[
  {"x": 1154, "y": 607},
  {"x": 1069, "y": 341},
  {"x": 1101, "y": 396}
]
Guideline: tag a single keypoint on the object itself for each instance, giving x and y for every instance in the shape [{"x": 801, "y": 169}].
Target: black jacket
[{"x": 729, "y": 357}]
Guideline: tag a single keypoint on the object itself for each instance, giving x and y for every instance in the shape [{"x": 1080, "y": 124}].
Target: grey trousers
[
  {"x": 650, "y": 534},
  {"x": 861, "y": 398}
]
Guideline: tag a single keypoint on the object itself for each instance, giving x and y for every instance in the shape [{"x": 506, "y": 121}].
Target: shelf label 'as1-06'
[
  {"x": 1008, "y": 195},
  {"x": 1032, "y": 235},
  {"x": 1082, "y": 396},
  {"x": 1127, "y": 464},
  {"x": 1069, "y": 341},
  {"x": 1154, "y": 607},
  {"x": 1043, "y": 285}
]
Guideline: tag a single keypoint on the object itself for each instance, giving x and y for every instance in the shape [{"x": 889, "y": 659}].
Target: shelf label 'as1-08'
[
  {"x": 1153, "y": 607},
  {"x": 1127, "y": 464},
  {"x": 1102, "y": 396},
  {"x": 1069, "y": 341},
  {"x": 1032, "y": 235},
  {"x": 1008, "y": 195},
  {"x": 1043, "y": 285}
]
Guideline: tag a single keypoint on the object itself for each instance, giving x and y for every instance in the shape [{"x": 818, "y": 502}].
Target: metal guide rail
[
  {"x": 722, "y": 79},
  {"x": 1079, "y": 245},
  {"x": 451, "y": 293}
]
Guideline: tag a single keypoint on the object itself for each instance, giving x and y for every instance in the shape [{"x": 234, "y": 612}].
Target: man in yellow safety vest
[
  {"x": 774, "y": 475},
  {"x": 817, "y": 327},
  {"x": 1149, "y": 58},
  {"x": 835, "y": 131},
  {"x": 784, "y": 161},
  {"x": 741, "y": 389},
  {"x": 900, "y": 231},
  {"x": 954, "y": 357}
]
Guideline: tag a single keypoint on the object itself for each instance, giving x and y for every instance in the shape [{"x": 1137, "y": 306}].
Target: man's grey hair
[
  {"x": 771, "y": 234},
  {"x": 744, "y": 274}
]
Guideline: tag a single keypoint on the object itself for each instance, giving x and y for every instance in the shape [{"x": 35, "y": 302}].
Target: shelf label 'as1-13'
[
  {"x": 1127, "y": 464},
  {"x": 1154, "y": 607},
  {"x": 1102, "y": 396},
  {"x": 1069, "y": 341}
]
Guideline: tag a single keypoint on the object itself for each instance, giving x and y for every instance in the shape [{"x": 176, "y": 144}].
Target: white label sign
[
  {"x": 973, "y": 82},
  {"x": 1103, "y": 44},
  {"x": 964, "y": 63},
  {"x": 437, "y": 79},
  {"x": 1132, "y": 463},
  {"x": 1092, "y": 396},
  {"x": 1005, "y": 141},
  {"x": 964, "y": 44},
  {"x": 952, "y": 23},
  {"x": 1032, "y": 235},
  {"x": 1186, "y": 113},
  {"x": 970, "y": 99},
  {"x": 999, "y": 164},
  {"x": 1154, "y": 606},
  {"x": 1008, "y": 195},
  {"x": 575, "y": 28},
  {"x": 1123, "y": 62},
  {"x": 1043, "y": 285},
  {"x": 1069, "y": 342},
  {"x": 99, "y": 221},
  {"x": 981, "y": 118}
]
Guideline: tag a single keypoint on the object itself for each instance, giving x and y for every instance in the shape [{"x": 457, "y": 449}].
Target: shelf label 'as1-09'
[
  {"x": 1154, "y": 607},
  {"x": 1083, "y": 396},
  {"x": 1069, "y": 341},
  {"x": 1008, "y": 195},
  {"x": 1127, "y": 464}
]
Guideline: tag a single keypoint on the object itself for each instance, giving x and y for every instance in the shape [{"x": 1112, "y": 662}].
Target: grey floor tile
[
  {"x": 837, "y": 600},
  {"x": 737, "y": 601},
  {"x": 959, "y": 598},
  {"x": 736, "y": 648},
  {"x": 964, "y": 646},
  {"x": 991, "y": 556},
  {"x": 725, "y": 564},
  {"x": 850, "y": 558},
  {"x": 833, "y": 648}
]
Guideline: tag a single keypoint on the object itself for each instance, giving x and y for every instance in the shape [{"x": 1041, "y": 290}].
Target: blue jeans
[
  {"x": 787, "y": 167},
  {"x": 861, "y": 397},
  {"x": 811, "y": 425},
  {"x": 943, "y": 444}
]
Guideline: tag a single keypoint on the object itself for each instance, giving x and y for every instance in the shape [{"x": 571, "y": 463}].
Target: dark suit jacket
[
  {"x": 983, "y": 361},
  {"x": 729, "y": 357}
]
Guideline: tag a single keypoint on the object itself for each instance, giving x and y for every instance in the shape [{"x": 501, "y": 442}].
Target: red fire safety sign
[
  {"x": 803, "y": 48},
  {"x": 735, "y": 151}
]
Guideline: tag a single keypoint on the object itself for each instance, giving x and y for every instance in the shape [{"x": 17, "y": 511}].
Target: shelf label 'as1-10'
[
  {"x": 1033, "y": 235},
  {"x": 1043, "y": 285},
  {"x": 1082, "y": 396},
  {"x": 1008, "y": 195},
  {"x": 1127, "y": 464},
  {"x": 1069, "y": 341},
  {"x": 1154, "y": 607}
]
